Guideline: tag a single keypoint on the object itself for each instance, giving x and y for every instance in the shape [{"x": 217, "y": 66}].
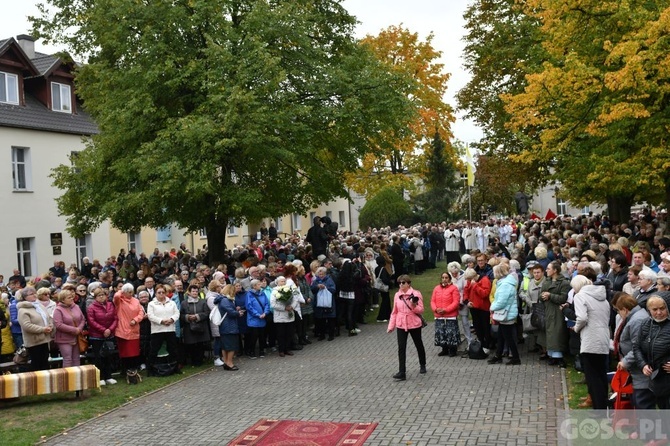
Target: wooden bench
[{"x": 45, "y": 382}]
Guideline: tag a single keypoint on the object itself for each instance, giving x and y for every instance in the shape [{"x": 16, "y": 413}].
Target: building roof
[
  {"x": 43, "y": 62},
  {"x": 34, "y": 115}
]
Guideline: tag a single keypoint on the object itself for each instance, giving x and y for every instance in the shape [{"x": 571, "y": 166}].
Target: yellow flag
[{"x": 470, "y": 164}]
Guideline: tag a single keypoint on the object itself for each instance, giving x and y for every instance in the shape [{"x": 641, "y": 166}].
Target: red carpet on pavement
[{"x": 304, "y": 433}]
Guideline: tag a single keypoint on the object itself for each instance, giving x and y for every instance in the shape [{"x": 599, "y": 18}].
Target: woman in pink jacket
[
  {"x": 69, "y": 322},
  {"x": 444, "y": 303},
  {"x": 130, "y": 313},
  {"x": 406, "y": 317}
]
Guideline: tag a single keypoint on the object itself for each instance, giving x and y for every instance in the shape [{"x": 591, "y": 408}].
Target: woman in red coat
[
  {"x": 444, "y": 303},
  {"x": 476, "y": 294}
]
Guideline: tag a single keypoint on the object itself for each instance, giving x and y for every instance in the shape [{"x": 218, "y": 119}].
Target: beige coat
[{"x": 32, "y": 325}]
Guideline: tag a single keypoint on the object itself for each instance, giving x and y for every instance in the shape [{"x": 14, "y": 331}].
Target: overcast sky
[{"x": 443, "y": 17}]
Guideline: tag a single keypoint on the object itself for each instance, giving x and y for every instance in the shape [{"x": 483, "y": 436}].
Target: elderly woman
[
  {"x": 652, "y": 350},
  {"x": 476, "y": 294},
  {"x": 284, "y": 314},
  {"x": 102, "y": 322},
  {"x": 69, "y": 322},
  {"x": 258, "y": 309},
  {"x": 505, "y": 311},
  {"x": 445, "y": 302},
  {"x": 306, "y": 309},
  {"x": 647, "y": 282},
  {"x": 530, "y": 294},
  {"x": 229, "y": 329},
  {"x": 163, "y": 314},
  {"x": 130, "y": 314},
  {"x": 194, "y": 318},
  {"x": 325, "y": 316},
  {"x": 406, "y": 317},
  {"x": 36, "y": 327},
  {"x": 213, "y": 289},
  {"x": 592, "y": 324},
  {"x": 458, "y": 279},
  {"x": 626, "y": 336},
  {"x": 663, "y": 284},
  {"x": 384, "y": 273},
  {"x": 554, "y": 293},
  {"x": 44, "y": 297}
]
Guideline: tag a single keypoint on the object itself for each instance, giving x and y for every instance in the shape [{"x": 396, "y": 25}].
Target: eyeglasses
[
  {"x": 82, "y": 290},
  {"x": 403, "y": 281}
]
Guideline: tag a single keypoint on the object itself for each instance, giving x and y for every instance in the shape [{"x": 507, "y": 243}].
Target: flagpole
[{"x": 469, "y": 203}]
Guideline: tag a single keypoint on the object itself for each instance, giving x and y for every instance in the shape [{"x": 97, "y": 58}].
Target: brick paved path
[{"x": 458, "y": 402}]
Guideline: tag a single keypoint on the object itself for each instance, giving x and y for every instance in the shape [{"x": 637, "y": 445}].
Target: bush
[{"x": 387, "y": 208}]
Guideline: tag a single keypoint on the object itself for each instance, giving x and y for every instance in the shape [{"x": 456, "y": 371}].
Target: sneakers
[
  {"x": 422, "y": 369},
  {"x": 353, "y": 333},
  {"x": 357, "y": 330},
  {"x": 111, "y": 381},
  {"x": 102, "y": 382},
  {"x": 261, "y": 354},
  {"x": 399, "y": 376},
  {"x": 218, "y": 362},
  {"x": 143, "y": 367}
]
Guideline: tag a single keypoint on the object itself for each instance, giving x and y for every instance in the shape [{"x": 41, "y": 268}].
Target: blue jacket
[
  {"x": 227, "y": 307},
  {"x": 323, "y": 313},
  {"x": 255, "y": 308},
  {"x": 14, "y": 318},
  {"x": 177, "y": 323},
  {"x": 241, "y": 301},
  {"x": 505, "y": 297}
]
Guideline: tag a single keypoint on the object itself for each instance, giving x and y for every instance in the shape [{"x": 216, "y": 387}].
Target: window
[
  {"x": 311, "y": 217},
  {"x": 232, "y": 230},
  {"x": 329, "y": 214},
  {"x": 164, "y": 234},
  {"x": 341, "y": 220},
  {"x": 562, "y": 207},
  {"x": 586, "y": 210},
  {"x": 9, "y": 88},
  {"x": 61, "y": 99},
  {"x": 203, "y": 233},
  {"x": 21, "y": 168},
  {"x": 24, "y": 255},
  {"x": 297, "y": 222},
  {"x": 82, "y": 245},
  {"x": 278, "y": 225},
  {"x": 134, "y": 241}
]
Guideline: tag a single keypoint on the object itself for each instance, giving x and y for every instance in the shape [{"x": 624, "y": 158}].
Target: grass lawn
[
  {"x": 576, "y": 386},
  {"x": 28, "y": 420}
]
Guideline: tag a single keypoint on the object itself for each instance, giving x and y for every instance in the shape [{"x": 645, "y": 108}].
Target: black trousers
[
  {"x": 39, "y": 357},
  {"x": 103, "y": 364},
  {"x": 284, "y": 335},
  {"x": 482, "y": 323},
  {"x": 255, "y": 334},
  {"x": 324, "y": 326},
  {"x": 595, "y": 372},
  {"x": 157, "y": 339},
  {"x": 402, "y": 347},
  {"x": 507, "y": 338}
]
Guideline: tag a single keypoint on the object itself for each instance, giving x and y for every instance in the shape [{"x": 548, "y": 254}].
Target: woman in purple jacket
[
  {"x": 69, "y": 322},
  {"x": 406, "y": 317}
]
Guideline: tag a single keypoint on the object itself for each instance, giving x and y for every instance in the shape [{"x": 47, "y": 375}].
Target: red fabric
[
  {"x": 296, "y": 432},
  {"x": 478, "y": 293},
  {"x": 550, "y": 215},
  {"x": 446, "y": 298}
]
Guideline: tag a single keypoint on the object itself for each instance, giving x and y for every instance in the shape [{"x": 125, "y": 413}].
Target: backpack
[
  {"x": 475, "y": 350},
  {"x": 133, "y": 376},
  {"x": 215, "y": 316}
]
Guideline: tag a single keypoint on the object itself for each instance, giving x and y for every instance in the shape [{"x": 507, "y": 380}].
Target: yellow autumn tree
[
  {"x": 397, "y": 155},
  {"x": 596, "y": 112}
]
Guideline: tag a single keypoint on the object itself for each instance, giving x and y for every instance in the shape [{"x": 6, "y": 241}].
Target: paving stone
[{"x": 458, "y": 402}]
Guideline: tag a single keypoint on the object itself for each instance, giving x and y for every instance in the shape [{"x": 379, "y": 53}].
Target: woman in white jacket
[
  {"x": 593, "y": 314},
  {"x": 162, "y": 313},
  {"x": 283, "y": 314}
]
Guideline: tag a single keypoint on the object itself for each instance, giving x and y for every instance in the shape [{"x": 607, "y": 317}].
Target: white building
[{"x": 41, "y": 125}]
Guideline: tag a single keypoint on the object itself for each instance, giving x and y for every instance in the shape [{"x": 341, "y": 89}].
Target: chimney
[{"x": 27, "y": 44}]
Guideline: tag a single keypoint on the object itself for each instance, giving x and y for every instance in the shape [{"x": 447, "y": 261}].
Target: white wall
[{"x": 34, "y": 214}]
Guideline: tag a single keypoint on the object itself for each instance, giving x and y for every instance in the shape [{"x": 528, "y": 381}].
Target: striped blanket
[{"x": 43, "y": 382}]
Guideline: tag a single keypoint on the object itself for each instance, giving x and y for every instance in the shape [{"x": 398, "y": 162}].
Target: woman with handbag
[
  {"x": 325, "y": 316},
  {"x": 37, "y": 328},
  {"x": 69, "y": 322},
  {"x": 505, "y": 311},
  {"x": 383, "y": 282},
  {"x": 194, "y": 318},
  {"x": 554, "y": 293},
  {"x": 530, "y": 294},
  {"x": 445, "y": 302},
  {"x": 102, "y": 322},
  {"x": 406, "y": 317},
  {"x": 130, "y": 314}
]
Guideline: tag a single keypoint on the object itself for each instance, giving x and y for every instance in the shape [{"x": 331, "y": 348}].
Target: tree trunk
[
  {"x": 216, "y": 241},
  {"x": 619, "y": 209}
]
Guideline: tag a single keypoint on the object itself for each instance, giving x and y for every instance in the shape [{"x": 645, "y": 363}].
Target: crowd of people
[{"x": 584, "y": 288}]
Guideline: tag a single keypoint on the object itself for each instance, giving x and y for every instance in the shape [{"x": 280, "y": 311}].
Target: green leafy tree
[
  {"x": 387, "y": 208},
  {"x": 216, "y": 112},
  {"x": 440, "y": 186}
]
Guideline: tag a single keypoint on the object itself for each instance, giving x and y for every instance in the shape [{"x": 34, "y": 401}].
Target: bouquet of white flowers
[{"x": 285, "y": 295}]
